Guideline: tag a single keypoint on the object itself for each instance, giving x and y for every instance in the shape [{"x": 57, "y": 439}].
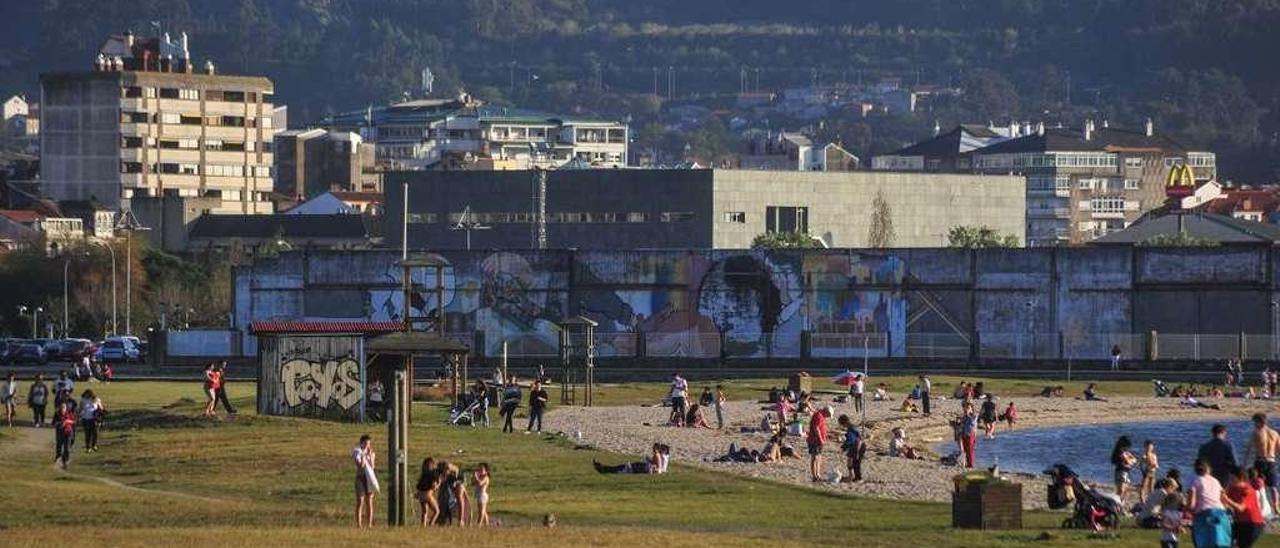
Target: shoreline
[{"x": 623, "y": 430}]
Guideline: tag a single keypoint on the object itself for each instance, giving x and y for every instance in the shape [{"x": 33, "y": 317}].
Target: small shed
[{"x": 315, "y": 369}]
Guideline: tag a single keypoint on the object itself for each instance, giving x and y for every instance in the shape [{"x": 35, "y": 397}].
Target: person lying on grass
[
  {"x": 656, "y": 463},
  {"x": 774, "y": 450}
]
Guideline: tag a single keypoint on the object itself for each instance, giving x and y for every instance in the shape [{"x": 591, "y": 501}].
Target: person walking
[
  {"x": 816, "y": 439},
  {"x": 1217, "y": 453},
  {"x": 62, "y": 388},
  {"x": 719, "y": 404},
  {"x": 854, "y": 448},
  {"x": 925, "y": 387},
  {"x": 222, "y": 388},
  {"x": 510, "y": 402},
  {"x": 366, "y": 480},
  {"x": 1211, "y": 526},
  {"x": 857, "y": 390},
  {"x": 679, "y": 396},
  {"x": 1264, "y": 445},
  {"x": 1115, "y": 357},
  {"x": 9, "y": 397},
  {"x": 91, "y": 413},
  {"x": 968, "y": 433},
  {"x": 64, "y": 432},
  {"x": 211, "y": 380},
  {"x": 1242, "y": 499},
  {"x": 37, "y": 398},
  {"x": 537, "y": 405}
]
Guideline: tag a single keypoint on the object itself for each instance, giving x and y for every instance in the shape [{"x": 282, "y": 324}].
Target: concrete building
[
  {"x": 314, "y": 161},
  {"x": 463, "y": 133},
  {"x": 254, "y": 234},
  {"x": 796, "y": 152},
  {"x": 723, "y": 209},
  {"x": 25, "y": 228},
  {"x": 145, "y": 123},
  {"x": 945, "y": 152}
]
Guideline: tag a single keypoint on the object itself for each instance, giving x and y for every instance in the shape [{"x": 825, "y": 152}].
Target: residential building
[
  {"x": 337, "y": 202},
  {"x": 1085, "y": 182},
  {"x": 946, "y": 152},
  {"x": 796, "y": 152},
  {"x": 671, "y": 208},
  {"x": 13, "y": 107},
  {"x": 26, "y": 227},
  {"x": 145, "y": 123},
  {"x": 1221, "y": 230},
  {"x": 311, "y": 162},
  {"x": 464, "y": 133}
]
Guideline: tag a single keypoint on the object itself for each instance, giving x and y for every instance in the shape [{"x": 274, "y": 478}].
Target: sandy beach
[{"x": 632, "y": 429}]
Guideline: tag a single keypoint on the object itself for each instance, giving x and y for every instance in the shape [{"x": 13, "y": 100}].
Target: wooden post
[{"x": 398, "y": 449}]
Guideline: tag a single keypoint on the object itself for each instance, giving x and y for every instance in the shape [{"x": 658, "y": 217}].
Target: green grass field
[{"x": 164, "y": 476}]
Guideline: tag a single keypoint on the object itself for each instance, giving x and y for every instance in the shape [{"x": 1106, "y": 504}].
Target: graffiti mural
[{"x": 331, "y": 383}]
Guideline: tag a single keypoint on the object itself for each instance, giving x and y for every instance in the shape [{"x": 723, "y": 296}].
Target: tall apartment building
[
  {"x": 313, "y": 161},
  {"x": 463, "y": 133},
  {"x": 1081, "y": 182},
  {"x": 145, "y": 123}
]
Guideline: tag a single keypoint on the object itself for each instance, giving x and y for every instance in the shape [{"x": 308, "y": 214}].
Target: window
[
  {"x": 1062, "y": 182},
  {"x": 130, "y": 167},
  {"x": 233, "y": 96},
  {"x": 169, "y": 118},
  {"x": 1170, "y": 162},
  {"x": 213, "y": 95},
  {"x": 1131, "y": 184},
  {"x": 168, "y": 93},
  {"x": 131, "y": 142},
  {"x": 1133, "y": 161},
  {"x": 676, "y": 216},
  {"x": 213, "y": 144},
  {"x": 189, "y": 94},
  {"x": 786, "y": 219},
  {"x": 735, "y": 217},
  {"x": 262, "y": 171},
  {"x": 217, "y": 170},
  {"x": 1107, "y": 205},
  {"x": 133, "y": 92},
  {"x": 635, "y": 217},
  {"x": 1086, "y": 184},
  {"x": 421, "y": 218}
]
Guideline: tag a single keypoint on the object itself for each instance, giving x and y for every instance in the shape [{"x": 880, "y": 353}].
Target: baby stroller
[
  {"x": 1091, "y": 508},
  {"x": 464, "y": 414},
  {"x": 1161, "y": 389}
]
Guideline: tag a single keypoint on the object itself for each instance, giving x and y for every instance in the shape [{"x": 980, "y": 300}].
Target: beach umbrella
[{"x": 845, "y": 379}]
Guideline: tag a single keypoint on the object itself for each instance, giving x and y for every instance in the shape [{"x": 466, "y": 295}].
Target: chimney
[
  {"x": 1088, "y": 130},
  {"x": 128, "y": 40},
  {"x": 1105, "y": 123},
  {"x": 1151, "y": 128},
  {"x": 186, "y": 49},
  {"x": 100, "y": 64},
  {"x": 208, "y": 68},
  {"x": 937, "y": 128},
  {"x": 1040, "y": 129}
]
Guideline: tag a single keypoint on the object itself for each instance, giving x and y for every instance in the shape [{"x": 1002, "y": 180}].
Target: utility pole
[
  {"x": 128, "y": 224},
  {"x": 671, "y": 83},
  {"x": 542, "y": 209},
  {"x": 404, "y": 224}
]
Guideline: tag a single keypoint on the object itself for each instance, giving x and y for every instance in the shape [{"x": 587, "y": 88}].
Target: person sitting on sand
[
  {"x": 655, "y": 463},
  {"x": 1188, "y": 401},
  {"x": 979, "y": 390},
  {"x": 1091, "y": 393},
  {"x": 898, "y": 446},
  {"x": 908, "y": 406},
  {"x": 882, "y": 393},
  {"x": 783, "y": 408},
  {"x": 1010, "y": 415},
  {"x": 1216, "y": 392},
  {"x": 695, "y": 418},
  {"x": 915, "y": 393},
  {"x": 961, "y": 392}
]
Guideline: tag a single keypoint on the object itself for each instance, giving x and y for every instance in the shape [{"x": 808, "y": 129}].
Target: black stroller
[
  {"x": 1091, "y": 508},
  {"x": 465, "y": 413}
]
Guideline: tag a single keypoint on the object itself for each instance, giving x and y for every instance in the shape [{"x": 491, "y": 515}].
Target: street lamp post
[
  {"x": 66, "y": 265},
  {"x": 114, "y": 331},
  {"x": 128, "y": 224},
  {"x": 1031, "y": 309}
]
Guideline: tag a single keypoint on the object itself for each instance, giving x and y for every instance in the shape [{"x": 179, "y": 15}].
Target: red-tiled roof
[
  {"x": 22, "y": 216},
  {"x": 274, "y": 327}
]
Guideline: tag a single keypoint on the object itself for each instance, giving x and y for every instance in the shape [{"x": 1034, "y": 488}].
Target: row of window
[
  {"x": 175, "y": 118},
  {"x": 212, "y": 170},
  {"x": 137, "y": 92},
  {"x": 1050, "y": 159},
  {"x": 563, "y": 217},
  {"x": 1063, "y": 182},
  {"x": 194, "y": 144}
]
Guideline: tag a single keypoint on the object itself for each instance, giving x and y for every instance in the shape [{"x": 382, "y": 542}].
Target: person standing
[
  {"x": 481, "y": 394},
  {"x": 9, "y": 397},
  {"x": 1115, "y": 357},
  {"x": 64, "y": 431},
  {"x": 1150, "y": 465},
  {"x": 537, "y": 405},
  {"x": 857, "y": 390},
  {"x": 1242, "y": 500},
  {"x": 968, "y": 433},
  {"x": 816, "y": 439},
  {"x": 91, "y": 413},
  {"x": 1210, "y": 526},
  {"x": 481, "y": 477},
  {"x": 1122, "y": 460},
  {"x": 222, "y": 388},
  {"x": 376, "y": 395},
  {"x": 366, "y": 480},
  {"x": 210, "y": 390},
  {"x": 62, "y": 388},
  {"x": 925, "y": 387},
  {"x": 854, "y": 448},
  {"x": 510, "y": 402},
  {"x": 679, "y": 396},
  {"x": 1217, "y": 453},
  {"x": 720, "y": 400},
  {"x": 37, "y": 398},
  {"x": 988, "y": 416},
  {"x": 1264, "y": 445}
]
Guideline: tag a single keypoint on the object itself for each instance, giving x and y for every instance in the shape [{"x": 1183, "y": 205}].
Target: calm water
[{"x": 1087, "y": 449}]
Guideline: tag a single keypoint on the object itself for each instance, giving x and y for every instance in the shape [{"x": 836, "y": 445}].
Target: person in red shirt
[
  {"x": 817, "y": 438},
  {"x": 212, "y": 380},
  {"x": 1242, "y": 499},
  {"x": 64, "y": 429}
]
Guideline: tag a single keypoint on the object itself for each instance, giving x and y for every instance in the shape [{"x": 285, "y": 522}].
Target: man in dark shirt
[
  {"x": 1218, "y": 453},
  {"x": 537, "y": 404},
  {"x": 510, "y": 401}
]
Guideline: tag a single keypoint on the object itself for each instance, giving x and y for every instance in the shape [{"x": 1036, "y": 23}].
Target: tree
[
  {"x": 970, "y": 237},
  {"x": 881, "y": 234},
  {"x": 785, "y": 240}
]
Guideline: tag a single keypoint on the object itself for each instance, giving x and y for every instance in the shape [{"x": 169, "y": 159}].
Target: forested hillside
[{"x": 1203, "y": 69}]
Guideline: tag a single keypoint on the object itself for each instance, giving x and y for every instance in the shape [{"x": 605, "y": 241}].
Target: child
[
  {"x": 481, "y": 475},
  {"x": 1010, "y": 415},
  {"x": 1170, "y": 520},
  {"x": 854, "y": 448}
]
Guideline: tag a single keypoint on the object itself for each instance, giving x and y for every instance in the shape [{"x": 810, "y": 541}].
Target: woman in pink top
[{"x": 1212, "y": 523}]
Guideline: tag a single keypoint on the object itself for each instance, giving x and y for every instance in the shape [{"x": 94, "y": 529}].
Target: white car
[{"x": 118, "y": 349}]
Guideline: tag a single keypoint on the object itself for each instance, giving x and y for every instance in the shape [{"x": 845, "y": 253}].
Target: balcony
[{"x": 1049, "y": 212}]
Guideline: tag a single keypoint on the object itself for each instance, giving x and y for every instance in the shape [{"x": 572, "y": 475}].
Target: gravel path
[{"x": 632, "y": 429}]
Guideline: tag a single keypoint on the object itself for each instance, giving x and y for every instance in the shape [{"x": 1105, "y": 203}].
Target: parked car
[
  {"x": 119, "y": 350},
  {"x": 73, "y": 349},
  {"x": 27, "y": 352}
]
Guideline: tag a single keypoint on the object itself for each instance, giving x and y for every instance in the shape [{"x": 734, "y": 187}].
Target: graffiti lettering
[{"x": 334, "y": 382}]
